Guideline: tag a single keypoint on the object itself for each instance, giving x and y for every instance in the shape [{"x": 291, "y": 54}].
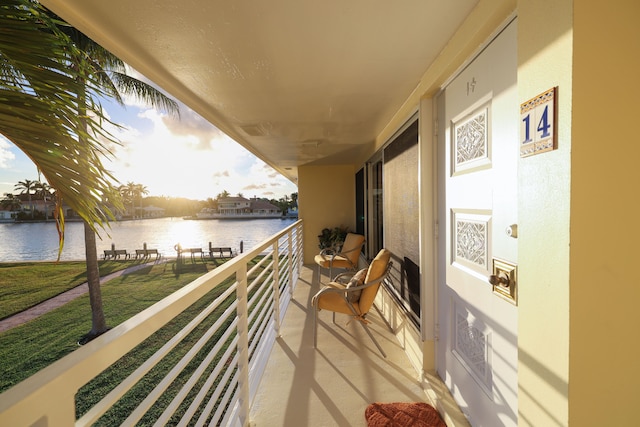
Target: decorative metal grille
[
  {"x": 471, "y": 242},
  {"x": 471, "y": 343},
  {"x": 471, "y": 138}
]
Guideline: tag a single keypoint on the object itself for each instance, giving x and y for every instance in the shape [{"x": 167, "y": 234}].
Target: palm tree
[
  {"x": 51, "y": 79},
  {"x": 127, "y": 192},
  {"x": 28, "y": 187},
  {"x": 223, "y": 195},
  {"x": 38, "y": 112},
  {"x": 110, "y": 71},
  {"x": 139, "y": 191},
  {"x": 43, "y": 191}
]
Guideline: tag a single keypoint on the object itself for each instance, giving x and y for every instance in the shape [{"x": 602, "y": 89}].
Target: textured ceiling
[{"x": 295, "y": 82}]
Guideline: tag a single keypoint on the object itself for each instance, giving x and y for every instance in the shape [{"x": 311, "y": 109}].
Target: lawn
[
  {"x": 23, "y": 285},
  {"x": 26, "y": 349}
]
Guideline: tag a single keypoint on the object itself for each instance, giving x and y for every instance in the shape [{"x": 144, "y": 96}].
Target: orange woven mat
[{"x": 400, "y": 414}]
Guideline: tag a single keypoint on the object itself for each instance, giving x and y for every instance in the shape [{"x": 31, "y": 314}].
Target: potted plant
[{"x": 332, "y": 238}]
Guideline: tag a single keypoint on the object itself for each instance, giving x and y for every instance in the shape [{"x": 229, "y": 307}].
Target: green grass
[
  {"x": 29, "y": 348},
  {"x": 26, "y": 349},
  {"x": 23, "y": 285}
]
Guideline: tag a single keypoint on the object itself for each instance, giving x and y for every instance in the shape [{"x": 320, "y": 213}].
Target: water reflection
[{"x": 39, "y": 241}]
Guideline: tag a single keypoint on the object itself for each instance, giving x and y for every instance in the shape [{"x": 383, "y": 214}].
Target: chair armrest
[
  {"x": 343, "y": 278},
  {"x": 340, "y": 287}
]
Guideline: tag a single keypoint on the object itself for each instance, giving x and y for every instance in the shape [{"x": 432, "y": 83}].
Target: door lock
[
  {"x": 505, "y": 280},
  {"x": 500, "y": 279}
]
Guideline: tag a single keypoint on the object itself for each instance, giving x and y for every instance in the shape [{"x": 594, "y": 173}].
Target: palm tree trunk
[{"x": 98, "y": 321}]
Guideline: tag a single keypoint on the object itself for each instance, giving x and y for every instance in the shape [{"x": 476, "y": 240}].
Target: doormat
[{"x": 400, "y": 414}]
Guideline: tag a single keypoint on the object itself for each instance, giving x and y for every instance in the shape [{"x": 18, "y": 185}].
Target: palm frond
[
  {"x": 38, "y": 110},
  {"x": 148, "y": 94}
]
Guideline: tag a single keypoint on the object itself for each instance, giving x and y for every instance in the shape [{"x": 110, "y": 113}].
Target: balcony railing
[{"x": 194, "y": 358}]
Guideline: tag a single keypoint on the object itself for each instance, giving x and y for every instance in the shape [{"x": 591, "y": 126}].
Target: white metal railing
[{"x": 195, "y": 358}]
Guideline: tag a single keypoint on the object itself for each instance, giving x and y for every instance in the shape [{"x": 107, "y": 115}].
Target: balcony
[{"x": 240, "y": 352}]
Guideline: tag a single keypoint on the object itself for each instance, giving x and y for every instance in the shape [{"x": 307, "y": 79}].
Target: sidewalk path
[{"x": 63, "y": 298}]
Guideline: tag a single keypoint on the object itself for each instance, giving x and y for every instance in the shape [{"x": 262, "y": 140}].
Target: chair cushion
[
  {"x": 338, "y": 261},
  {"x": 377, "y": 268},
  {"x": 334, "y": 301},
  {"x": 356, "y": 280},
  {"x": 352, "y": 246}
]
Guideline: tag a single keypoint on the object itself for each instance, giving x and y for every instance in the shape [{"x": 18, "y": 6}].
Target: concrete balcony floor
[{"x": 333, "y": 384}]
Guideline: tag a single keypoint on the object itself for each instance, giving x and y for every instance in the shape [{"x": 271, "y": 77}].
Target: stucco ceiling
[{"x": 294, "y": 81}]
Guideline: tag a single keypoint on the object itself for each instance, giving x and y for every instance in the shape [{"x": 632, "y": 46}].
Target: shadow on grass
[{"x": 179, "y": 268}]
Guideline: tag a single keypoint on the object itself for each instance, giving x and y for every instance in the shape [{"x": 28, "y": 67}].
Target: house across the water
[{"x": 240, "y": 208}]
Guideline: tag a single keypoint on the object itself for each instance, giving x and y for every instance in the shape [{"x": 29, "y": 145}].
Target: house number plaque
[{"x": 538, "y": 132}]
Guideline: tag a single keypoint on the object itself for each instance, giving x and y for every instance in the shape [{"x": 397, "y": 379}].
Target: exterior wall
[
  {"x": 604, "y": 295},
  {"x": 326, "y": 198},
  {"x": 570, "y": 202},
  {"x": 544, "y": 61}
]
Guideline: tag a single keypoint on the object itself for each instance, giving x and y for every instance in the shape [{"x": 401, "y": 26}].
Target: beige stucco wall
[
  {"x": 326, "y": 199},
  {"x": 544, "y": 61},
  {"x": 578, "y": 298},
  {"x": 604, "y": 282}
]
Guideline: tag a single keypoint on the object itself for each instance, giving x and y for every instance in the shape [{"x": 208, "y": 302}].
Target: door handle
[{"x": 502, "y": 278}]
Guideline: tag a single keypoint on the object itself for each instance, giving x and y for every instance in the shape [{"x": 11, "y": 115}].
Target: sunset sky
[{"x": 185, "y": 157}]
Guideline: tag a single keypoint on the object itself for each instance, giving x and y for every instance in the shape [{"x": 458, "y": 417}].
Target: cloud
[
  {"x": 185, "y": 156},
  {"x": 6, "y": 155}
]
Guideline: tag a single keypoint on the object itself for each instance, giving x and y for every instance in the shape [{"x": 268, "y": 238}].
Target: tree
[
  {"x": 28, "y": 187},
  {"x": 223, "y": 195},
  {"x": 139, "y": 191},
  {"x": 95, "y": 61},
  {"x": 38, "y": 112},
  {"x": 51, "y": 79},
  {"x": 43, "y": 191},
  {"x": 127, "y": 192}
]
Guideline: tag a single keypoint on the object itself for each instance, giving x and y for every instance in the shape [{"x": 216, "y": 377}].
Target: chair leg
[
  {"x": 366, "y": 328},
  {"x": 315, "y": 327}
]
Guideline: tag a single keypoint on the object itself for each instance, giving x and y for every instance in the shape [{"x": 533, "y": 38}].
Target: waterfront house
[
  {"x": 234, "y": 205},
  {"x": 263, "y": 207},
  {"x": 7, "y": 215},
  {"x": 238, "y": 207},
  {"x": 150, "y": 212},
  {"x": 487, "y": 143}
]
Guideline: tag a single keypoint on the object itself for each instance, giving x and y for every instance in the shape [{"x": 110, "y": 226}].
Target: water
[{"x": 39, "y": 241}]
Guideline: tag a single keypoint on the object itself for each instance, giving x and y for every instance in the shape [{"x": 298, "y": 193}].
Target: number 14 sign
[{"x": 538, "y": 124}]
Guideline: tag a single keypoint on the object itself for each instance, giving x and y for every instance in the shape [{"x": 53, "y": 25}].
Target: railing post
[
  {"x": 300, "y": 247},
  {"x": 290, "y": 249},
  {"x": 276, "y": 287},
  {"x": 243, "y": 345}
]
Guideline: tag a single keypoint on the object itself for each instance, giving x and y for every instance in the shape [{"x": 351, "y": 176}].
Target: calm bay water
[{"x": 39, "y": 241}]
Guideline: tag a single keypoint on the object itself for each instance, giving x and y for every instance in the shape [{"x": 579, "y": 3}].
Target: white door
[{"x": 478, "y": 120}]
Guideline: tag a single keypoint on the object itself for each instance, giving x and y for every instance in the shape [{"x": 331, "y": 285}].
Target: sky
[{"x": 174, "y": 157}]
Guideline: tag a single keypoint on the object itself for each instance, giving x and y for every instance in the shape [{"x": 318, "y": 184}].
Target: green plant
[{"x": 332, "y": 238}]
